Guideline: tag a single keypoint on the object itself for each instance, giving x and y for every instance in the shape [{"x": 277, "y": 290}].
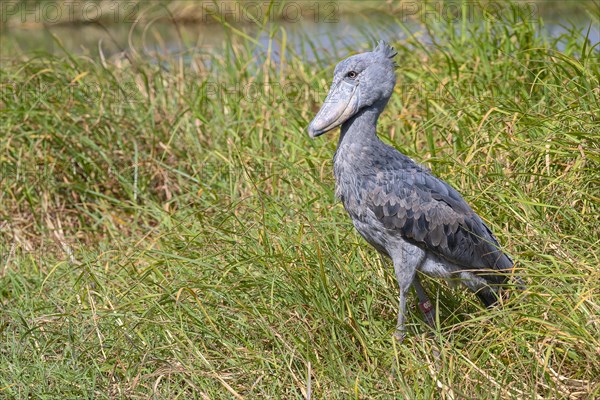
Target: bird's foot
[{"x": 399, "y": 335}]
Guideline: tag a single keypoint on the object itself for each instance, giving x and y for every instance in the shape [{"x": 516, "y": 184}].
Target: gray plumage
[{"x": 402, "y": 210}]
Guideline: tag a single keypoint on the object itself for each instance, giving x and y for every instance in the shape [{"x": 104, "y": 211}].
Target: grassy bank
[
  {"x": 168, "y": 230},
  {"x": 39, "y": 14}
]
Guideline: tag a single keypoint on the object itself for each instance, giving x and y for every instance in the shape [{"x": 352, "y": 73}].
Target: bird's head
[{"x": 359, "y": 81}]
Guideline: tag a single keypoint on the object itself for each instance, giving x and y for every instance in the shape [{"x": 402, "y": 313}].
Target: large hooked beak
[{"x": 341, "y": 103}]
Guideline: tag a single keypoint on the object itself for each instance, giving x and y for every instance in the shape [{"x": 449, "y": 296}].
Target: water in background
[{"x": 324, "y": 33}]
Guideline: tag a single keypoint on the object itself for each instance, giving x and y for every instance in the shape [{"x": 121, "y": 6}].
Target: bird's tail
[{"x": 488, "y": 297}]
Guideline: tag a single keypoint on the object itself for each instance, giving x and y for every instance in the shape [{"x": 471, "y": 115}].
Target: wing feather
[{"x": 427, "y": 211}]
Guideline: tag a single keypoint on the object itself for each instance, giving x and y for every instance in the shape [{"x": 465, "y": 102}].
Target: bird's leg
[
  {"x": 404, "y": 276},
  {"x": 425, "y": 305}
]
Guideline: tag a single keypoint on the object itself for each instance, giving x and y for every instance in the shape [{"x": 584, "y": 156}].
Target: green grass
[{"x": 159, "y": 240}]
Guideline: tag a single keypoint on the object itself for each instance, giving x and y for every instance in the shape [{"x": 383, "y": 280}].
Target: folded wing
[{"x": 428, "y": 212}]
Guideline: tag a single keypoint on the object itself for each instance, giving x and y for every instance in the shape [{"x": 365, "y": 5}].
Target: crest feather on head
[{"x": 386, "y": 50}]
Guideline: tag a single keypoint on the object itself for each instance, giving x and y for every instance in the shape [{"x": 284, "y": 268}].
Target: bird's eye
[{"x": 351, "y": 74}]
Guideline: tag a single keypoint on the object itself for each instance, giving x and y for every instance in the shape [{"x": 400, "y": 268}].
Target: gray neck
[{"x": 361, "y": 127}]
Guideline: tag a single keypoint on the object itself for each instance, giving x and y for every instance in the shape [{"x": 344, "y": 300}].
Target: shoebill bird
[{"x": 397, "y": 205}]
